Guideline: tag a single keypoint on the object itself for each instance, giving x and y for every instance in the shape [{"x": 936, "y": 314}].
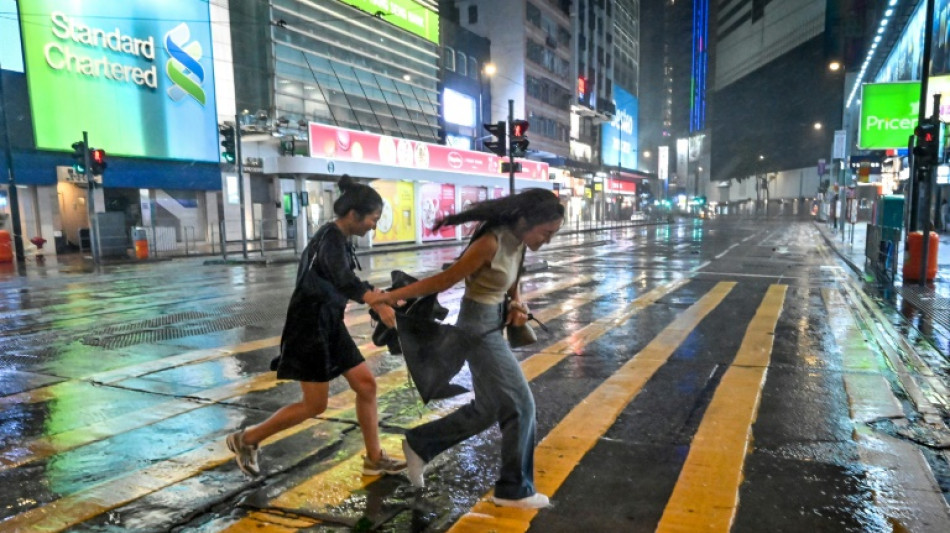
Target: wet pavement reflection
[{"x": 119, "y": 385}]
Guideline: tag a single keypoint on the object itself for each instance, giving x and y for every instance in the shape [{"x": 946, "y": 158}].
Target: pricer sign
[
  {"x": 136, "y": 74},
  {"x": 888, "y": 114}
]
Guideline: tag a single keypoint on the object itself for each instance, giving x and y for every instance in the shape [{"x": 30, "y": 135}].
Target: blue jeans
[{"x": 501, "y": 395}]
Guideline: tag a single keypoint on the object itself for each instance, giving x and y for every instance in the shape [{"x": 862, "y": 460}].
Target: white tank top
[{"x": 489, "y": 284}]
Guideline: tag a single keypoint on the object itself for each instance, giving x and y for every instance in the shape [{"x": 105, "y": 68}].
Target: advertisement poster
[
  {"x": 619, "y": 136},
  {"x": 137, "y": 76},
  {"x": 498, "y": 192},
  {"x": 888, "y": 114},
  {"x": 397, "y": 223},
  {"x": 471, "y": 195},
  {"x": 436, "y": 201}
]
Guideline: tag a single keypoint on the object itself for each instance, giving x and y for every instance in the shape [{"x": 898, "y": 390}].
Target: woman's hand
[
  {"x": 386, "y": 314},
  {"x": 517, "y": 313},
  {"x": 376, "y": 297}
]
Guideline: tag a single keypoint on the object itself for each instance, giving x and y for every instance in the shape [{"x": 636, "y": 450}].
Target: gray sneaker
[
  {"x": 244, "y": 454},
  {"x": 385, "y": 465}
]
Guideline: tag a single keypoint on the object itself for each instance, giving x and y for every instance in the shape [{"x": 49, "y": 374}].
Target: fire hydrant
[{"x": 38, "y": 242}]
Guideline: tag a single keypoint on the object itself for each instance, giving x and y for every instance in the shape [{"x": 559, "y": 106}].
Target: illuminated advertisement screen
[
  {"x": 458, "y": 108},
  {"x": 397, "y": 223},
  {"x": 436, "y": 201},
  {"x": 136, "y": 75},
  {"x": 405, "y": 14},
  {"x": 619, "y": 138},
  {"x": 888, "y": 114}
]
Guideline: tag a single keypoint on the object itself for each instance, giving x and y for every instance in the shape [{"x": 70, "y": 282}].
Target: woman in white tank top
[{"x": 490, "y": 267}]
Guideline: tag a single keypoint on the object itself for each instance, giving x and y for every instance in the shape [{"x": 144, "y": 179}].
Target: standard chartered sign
[
  {"x": 136, "y": 74},
  {"x": 61, "y": 55},
  {"x": 888, "y": 114}
]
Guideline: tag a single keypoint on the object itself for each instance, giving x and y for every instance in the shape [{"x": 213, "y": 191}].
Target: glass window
[
  {"x": 449, "y": 59},
  {"x": 460, "y": 63},
  {"x": 533, "y": 14},
  {"x": 473, "y": 14},
  {"x": 472, "y": 68}
]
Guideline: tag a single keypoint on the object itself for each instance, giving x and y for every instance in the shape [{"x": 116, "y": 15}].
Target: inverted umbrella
[{"x": 434, "y": 354}]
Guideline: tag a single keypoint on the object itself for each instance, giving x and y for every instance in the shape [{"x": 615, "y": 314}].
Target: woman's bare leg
[
  {"x": 314, "y": 402},
  {"x": 363, "y": 383}
]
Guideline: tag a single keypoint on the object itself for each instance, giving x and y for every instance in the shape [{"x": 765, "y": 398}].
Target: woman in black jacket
[{"x": 316, "y": 346}]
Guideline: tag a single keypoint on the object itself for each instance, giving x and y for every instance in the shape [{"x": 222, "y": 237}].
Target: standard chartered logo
[{"x": 184, "y": 69}]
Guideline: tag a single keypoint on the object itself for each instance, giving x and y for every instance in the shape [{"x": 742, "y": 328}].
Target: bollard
[
  {"x": 140, "y": 238},
  {"x": 914, "y": 255},
  {"x": 6, "y": 247}
]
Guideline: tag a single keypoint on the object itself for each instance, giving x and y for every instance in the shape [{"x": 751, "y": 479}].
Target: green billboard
[
  {"x": 888, "y": 114},
  {"x": 405, "y": 14},
  {"x": 136, "y": 74}
]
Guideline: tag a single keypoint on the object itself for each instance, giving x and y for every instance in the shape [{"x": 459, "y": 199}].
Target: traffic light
[
  {"x": 79, "y": 157},
  {"x": 97, "y": 161},
  {"x": 497, "y": 129},
  {"x": 227, "y": 143},
  {"x": 927, "y": 149},
  {"x": 519, "y": 142}
]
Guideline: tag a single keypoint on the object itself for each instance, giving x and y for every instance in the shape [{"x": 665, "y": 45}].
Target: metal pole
[
  {"x": 91, "y": 201},
  {"x": 240, "y": 175},
  {"x": 511, "y": 158},
  {"x": 929, "y": 173},
  {"x": 11, "y": 180}
]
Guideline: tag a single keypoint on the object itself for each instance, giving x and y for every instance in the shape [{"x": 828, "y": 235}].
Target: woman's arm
[{"x": 479, "y": 254}]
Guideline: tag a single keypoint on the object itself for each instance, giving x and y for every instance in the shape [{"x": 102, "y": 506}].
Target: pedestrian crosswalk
[{"x": 705, "y": 496}]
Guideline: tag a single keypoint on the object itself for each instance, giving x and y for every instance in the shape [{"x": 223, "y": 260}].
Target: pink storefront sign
[{"x": 359, "y": 146}]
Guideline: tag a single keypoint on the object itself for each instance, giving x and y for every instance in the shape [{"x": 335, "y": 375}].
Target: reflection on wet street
[{"x": 728, "y": 375}]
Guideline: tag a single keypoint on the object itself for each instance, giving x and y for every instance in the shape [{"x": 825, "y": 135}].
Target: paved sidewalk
[{"x": 926, "y": 307}]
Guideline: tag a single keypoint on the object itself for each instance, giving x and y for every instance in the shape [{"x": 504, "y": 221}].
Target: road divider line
[
  {"x": 706, "y": 494},
  {"x": 563, "y": 448}
]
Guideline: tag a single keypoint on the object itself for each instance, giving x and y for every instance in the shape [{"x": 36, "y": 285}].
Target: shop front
[{"x": 420, "y": 182}]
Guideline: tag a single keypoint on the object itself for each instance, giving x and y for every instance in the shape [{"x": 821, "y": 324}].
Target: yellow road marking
[
  {"x": 532, "y": 367},
  {"x": 86, "y": 504},
  {"x": 706, "y": 494},
  {"x": 27, "y": 451},
  {"x": 563, "y": 448}
]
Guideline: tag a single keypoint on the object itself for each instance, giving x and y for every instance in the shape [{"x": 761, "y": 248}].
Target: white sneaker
[
  {"x": 535, "y": 501},
  {"x": 415, "y": 466}
]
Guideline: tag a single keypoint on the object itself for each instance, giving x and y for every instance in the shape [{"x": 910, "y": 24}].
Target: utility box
[{"x": 890, "y": 211}]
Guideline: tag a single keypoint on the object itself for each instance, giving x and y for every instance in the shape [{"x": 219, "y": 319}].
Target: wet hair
[
  {"x": 357, "y": 197},
  {"x": 535, "y": 206}
]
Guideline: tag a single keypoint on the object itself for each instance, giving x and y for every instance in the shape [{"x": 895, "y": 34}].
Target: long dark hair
[
  {"x": 535, "y": 206},
  {"x": 360, "y": 198}
]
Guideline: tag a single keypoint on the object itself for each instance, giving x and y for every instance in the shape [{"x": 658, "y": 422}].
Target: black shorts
[{"x": 316, "y": 346}]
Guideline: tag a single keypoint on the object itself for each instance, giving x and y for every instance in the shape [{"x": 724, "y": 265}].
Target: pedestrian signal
[{"x": 519, "y": 140}]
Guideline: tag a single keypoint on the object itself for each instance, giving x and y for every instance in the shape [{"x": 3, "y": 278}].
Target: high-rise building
[
  {"x": 334, "y": 63},
  {"x": 531, "y": 51}
]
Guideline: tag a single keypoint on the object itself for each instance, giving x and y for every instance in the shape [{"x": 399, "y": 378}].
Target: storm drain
[{"x": 184, "y": 324}]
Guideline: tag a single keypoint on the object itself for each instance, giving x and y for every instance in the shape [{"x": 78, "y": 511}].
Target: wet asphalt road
[{"x": 701, "y": 376}]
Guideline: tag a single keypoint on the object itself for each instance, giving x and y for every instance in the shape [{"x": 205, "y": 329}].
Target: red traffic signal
[
  {"x": 519, "y": 127},
  {"x": 927, "y": 150},
  {"x": 519, "y": 143},
  {"x": 97, "y": 161}
]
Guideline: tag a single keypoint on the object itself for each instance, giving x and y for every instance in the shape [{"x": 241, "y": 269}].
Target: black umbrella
[{"x": 434, "y": 354}]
